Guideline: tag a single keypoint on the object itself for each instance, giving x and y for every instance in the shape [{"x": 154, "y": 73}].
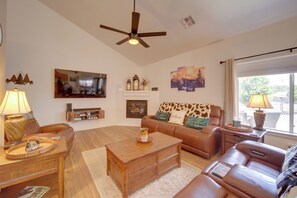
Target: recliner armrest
[
  {"x": 54, "y": 128},
  {"x": 251, "y": 182},
  {"x": 209, "y": 129},
  {"x": 149, "y": 117},
  {"x": 262, "y": 151}
]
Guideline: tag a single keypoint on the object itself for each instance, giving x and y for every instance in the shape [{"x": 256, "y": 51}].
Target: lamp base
[
  {"x": 259, "y": 117},
  {"x": 11, "y": 117}
]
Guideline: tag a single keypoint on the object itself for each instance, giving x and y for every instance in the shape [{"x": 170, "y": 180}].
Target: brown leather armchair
[
  {"x": 254, "y": 169},
  {"x": 23, "y": 128}
]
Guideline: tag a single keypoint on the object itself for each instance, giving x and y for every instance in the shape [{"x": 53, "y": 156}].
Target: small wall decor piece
[
  {"x": 181, "y": 76},
  {"x": 20, "y": 80},
  {"x": 188, "y": 78}
]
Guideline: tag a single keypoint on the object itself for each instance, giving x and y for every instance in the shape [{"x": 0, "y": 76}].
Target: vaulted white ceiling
[{"x": 216, "y": 20}]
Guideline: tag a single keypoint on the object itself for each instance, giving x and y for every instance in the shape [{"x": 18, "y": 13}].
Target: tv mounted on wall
[{"x": 78, "y": 84}]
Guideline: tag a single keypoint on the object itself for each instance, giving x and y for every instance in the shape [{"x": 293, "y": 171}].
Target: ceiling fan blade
[
  {"x": 143, "y": 43},
  {"x": 123, "y": 41},
  {"x": 113, "y": 29},
  {"x": 148, "y": 34},
  {"x": 135, "y": 22}
]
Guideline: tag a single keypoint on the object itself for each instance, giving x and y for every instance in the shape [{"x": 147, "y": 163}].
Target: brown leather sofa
[
  {"x": 23, "y": 128},
  {"x": 254, "y": 169},
  {"x": 205, "y": 142}
]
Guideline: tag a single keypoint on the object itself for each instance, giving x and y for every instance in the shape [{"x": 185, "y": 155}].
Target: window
[{"x": 282, "y": 92}]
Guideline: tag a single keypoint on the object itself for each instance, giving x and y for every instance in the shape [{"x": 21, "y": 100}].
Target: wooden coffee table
[{"x": 132, "y": 164}]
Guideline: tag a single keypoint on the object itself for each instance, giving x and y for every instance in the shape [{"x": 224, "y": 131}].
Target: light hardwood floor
[{"x": 78, "y": 181}]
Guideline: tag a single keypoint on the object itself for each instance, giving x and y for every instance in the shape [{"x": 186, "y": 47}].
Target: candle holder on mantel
[
  {"x": 135, "y": 83},
  {"x": 128, "y": 85}
]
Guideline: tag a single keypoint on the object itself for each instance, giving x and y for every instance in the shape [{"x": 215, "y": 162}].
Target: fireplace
[{"x": 136, "y": 108}]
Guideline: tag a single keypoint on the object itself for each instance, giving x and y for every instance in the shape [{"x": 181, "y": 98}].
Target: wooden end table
[
  {"x": 46, "y": 169},
  {"x": 132, "y": 165},
  {"x": 232, "y": 137}
]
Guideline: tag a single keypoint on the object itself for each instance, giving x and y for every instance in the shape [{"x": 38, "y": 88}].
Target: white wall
[
  {"x": 280, "y": 140},
  {"x": 40, "y": 40},
  {"x": 3, "y": 8},
  {"x": 278, "y": 36},
  {"x": 274, "y": 37}
]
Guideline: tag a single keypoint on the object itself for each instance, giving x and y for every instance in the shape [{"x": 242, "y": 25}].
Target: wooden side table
[
  {"x": 232, "y": 137},
  {"x": 42, "y": 170}
]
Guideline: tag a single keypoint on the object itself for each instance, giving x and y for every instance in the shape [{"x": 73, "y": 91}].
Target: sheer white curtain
[{"x": 230, "y": 91}]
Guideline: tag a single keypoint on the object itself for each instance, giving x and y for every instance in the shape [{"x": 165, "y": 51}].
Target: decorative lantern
[
  {"x": 135, "y": 83},
  {"x": 128, "y": 85}
]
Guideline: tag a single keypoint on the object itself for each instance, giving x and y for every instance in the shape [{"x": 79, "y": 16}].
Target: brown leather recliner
[
  {"x": 25, "y": 127},
  {"x": 254, "y": 169},
  {"x": 203, "y": 186}
]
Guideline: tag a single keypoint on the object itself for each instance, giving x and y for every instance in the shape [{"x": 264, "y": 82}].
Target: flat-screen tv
[{"x": 78, "y": 84}]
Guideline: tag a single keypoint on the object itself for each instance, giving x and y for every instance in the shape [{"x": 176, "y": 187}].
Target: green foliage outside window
[{"x": 253, "y": 85}]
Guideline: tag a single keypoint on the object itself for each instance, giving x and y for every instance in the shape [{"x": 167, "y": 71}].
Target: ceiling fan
[{"x": 134, "y": 37}]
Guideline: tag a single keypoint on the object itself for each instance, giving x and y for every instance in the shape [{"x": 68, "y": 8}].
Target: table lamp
[
  {"x": 259, "y": 101},
  {"x": 14, "y": 103}
]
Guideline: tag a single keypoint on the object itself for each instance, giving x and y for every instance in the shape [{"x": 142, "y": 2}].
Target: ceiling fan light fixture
[
  {"x": 134, "y": 37},
  {"x": 133, "y": 41}
]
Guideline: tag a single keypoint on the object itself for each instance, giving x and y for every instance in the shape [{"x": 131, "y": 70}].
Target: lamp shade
[
  {"x": 15, "y": 102},
  {"x": 259, "y": 101}
]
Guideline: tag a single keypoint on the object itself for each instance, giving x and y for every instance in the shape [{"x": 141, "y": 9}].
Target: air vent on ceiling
[{"x": 188, "y": 21}]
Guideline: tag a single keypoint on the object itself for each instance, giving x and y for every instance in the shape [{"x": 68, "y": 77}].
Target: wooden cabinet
[
  {"x": 84, "y": 114},
  {"x": 139, "y": 172},
  {"x": 230, "y": 137},
  {"x": 132, "y": 165},
  {"x": 46, "y": 169}
]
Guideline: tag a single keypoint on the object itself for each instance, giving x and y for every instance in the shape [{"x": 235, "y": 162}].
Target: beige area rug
[{"x": 166, "y": 186}]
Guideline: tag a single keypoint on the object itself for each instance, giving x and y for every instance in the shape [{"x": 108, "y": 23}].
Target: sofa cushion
[
  {"x": 193, "y": 109},
  {"x": 194, "y": 138},
  {"x": 195, "y": 122},
  {"x": 177, "y": 117},
  {"x": 263, "y": 167},
  {"x": 15, "y": 129},
  {"x": 167, "y": 128},
  {"x": 250, "y": 182},
  {"x": 162, "y": 116}
]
